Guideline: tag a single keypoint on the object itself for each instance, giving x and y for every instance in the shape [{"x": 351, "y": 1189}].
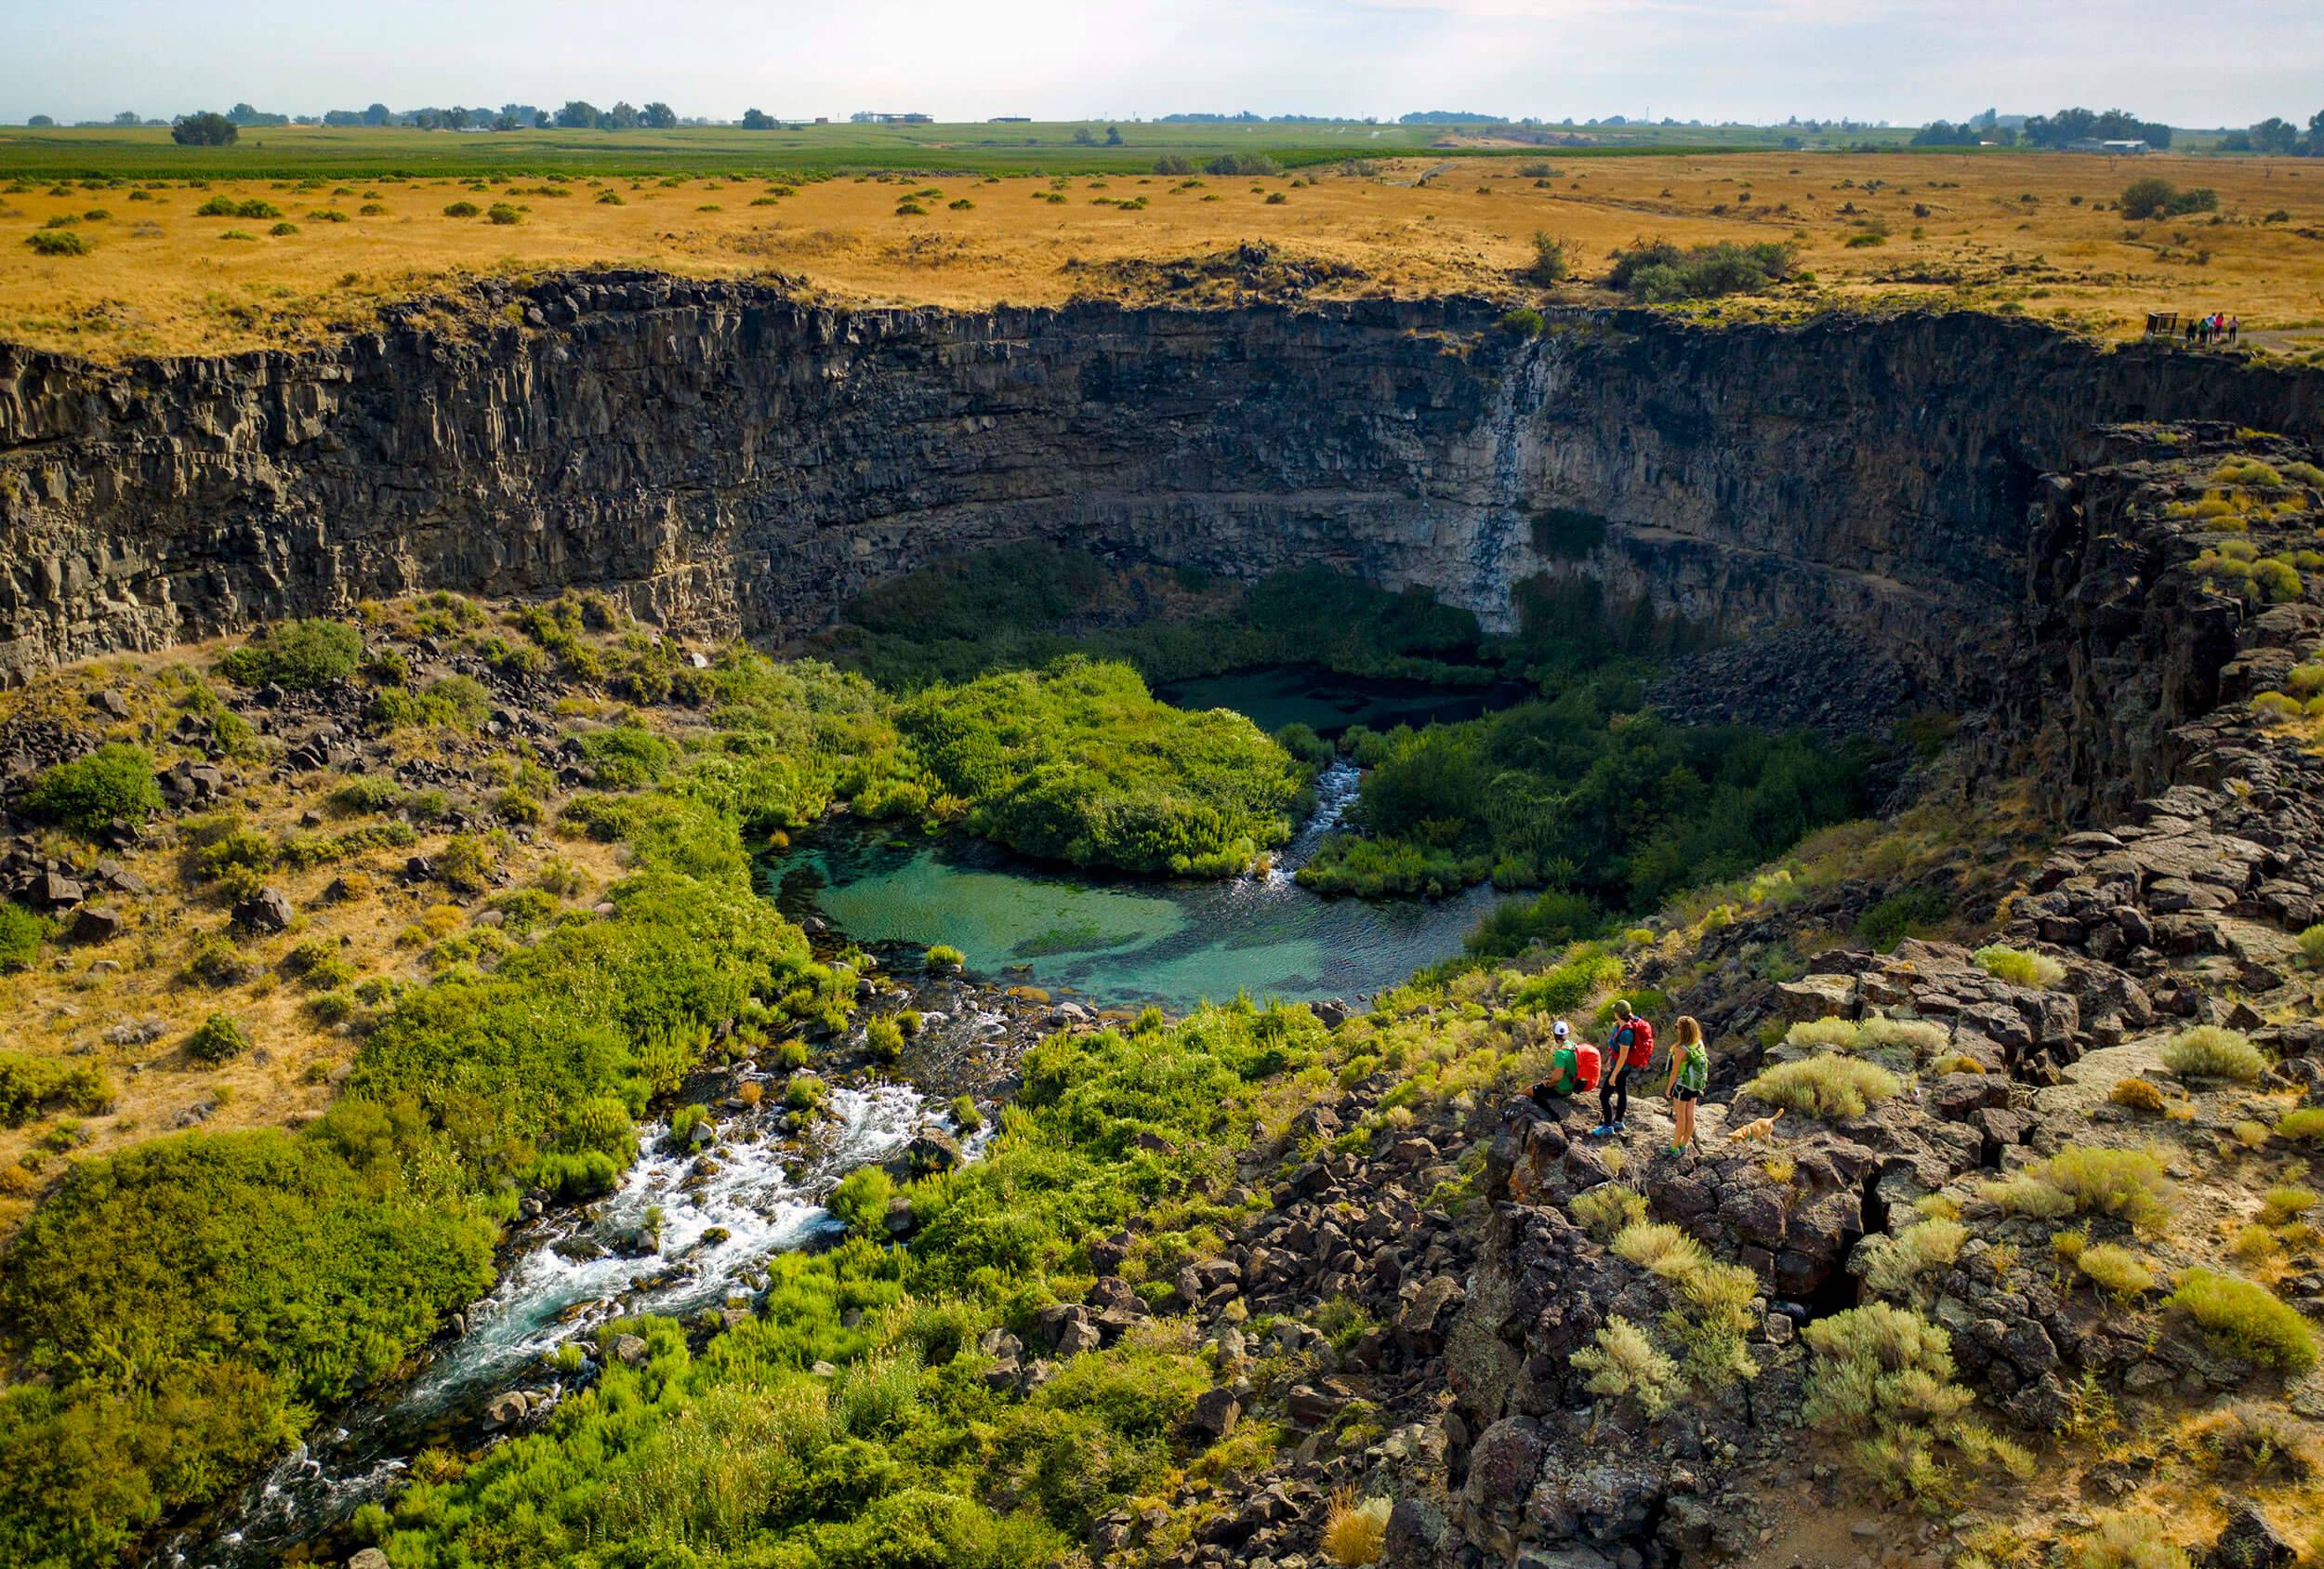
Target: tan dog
[{"x": 1763, "y": 1129}]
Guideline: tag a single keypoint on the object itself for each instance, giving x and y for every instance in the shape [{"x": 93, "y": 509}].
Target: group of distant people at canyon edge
[
  {"x": 2202, "y": 331},
  {"x": 1577, "y": 1066}
]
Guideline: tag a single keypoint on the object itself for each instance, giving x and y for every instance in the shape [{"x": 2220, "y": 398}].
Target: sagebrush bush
[
  {"x": 2212, "y": 1052},
  {"x": 1832, "y": 1087},
  {"x": 2311, "y": 945},
  {"x": 1900, "y": 1264},
  {"x": 2112, "y": 1267},
  {"x": 1623, "y": 1363},
  {"x": 1608, "y": 1210},
  {"x": 21, "y": 933},
  {"x": 2138, "y": 1095},
  {"x": 1883, "y": 1376},
  {"x": 2019, "y": 967},
  {"x": 2246, "y": 1318},
  {"x": 2089, "y": 1180}
]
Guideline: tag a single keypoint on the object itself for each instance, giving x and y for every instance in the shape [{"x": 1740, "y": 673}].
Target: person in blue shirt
[{"x": 1630, "y": 1046}]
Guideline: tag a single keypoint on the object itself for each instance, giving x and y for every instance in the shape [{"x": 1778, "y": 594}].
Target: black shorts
[{"x": 1683, "y": 1093}]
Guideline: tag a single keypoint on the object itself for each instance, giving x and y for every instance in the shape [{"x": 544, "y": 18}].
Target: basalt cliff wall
[{"x": 731, "y": 457}]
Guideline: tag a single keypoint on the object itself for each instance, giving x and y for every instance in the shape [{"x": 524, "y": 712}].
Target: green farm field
[{"x": 289, "y": 151}]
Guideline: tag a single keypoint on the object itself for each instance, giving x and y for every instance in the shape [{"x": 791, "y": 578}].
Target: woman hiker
[
  {"x": 1690, "y": 1076},
  {"x": 1630, "y": 1045}
]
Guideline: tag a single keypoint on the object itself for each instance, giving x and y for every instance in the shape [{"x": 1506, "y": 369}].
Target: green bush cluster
[
  {"x": 296, "y": 655},
  {"x": 2212, "y": 1051},
  {"x": 2090, "y": 1179},
  {"x": 1620, "y": 807},
  {"x": 741, "y": 1453},
  {"x": 1079, "y": 763},
  {"x": 35, "y": 1086},
  {"x": 114, "y": 780},
  {"x": 1659, "y": 270},
  {"x": 21, "y": 933},
  {"x": 2020, "y": 967},
  {"x": 2248, "y": 1319},
  {"x": 1883, "y": 1377}
]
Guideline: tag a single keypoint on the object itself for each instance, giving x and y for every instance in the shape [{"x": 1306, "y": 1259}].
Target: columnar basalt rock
[{"x": 731, "y": 457}]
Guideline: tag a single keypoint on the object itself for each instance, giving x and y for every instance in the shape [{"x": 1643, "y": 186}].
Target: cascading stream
[{"x": 574, "y": 1273}]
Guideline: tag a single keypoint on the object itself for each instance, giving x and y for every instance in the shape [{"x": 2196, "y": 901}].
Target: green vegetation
[
  {"x": 2151, "y": 197},
  {"x": 1831, "y": 1086},
  {"x": 2090, "y": 1179},
  {"x": 2247, "y": 1319},
  {"x": 1080, "y": 763},
  {"x": 945, "y": 957},
  {"x": 296, "y": 655},
  {"x": 1584, "y": 792},
  {"x": 740, "y": 1452},
  {"x": 1027, "y": 606},
  {"x": 2019, "y": 967},
  {"x": 191, "y": 1297},
  {"x": 35, "y": 1086},
  {"x": 21, "y": 933},
  {"x": 1657, "y": 271},
  {"x": 217, "y": 1039},
  {"x": 2210, "y": 1051},
  {"x": 1882, "y": 1376},
  {"x": 114, "y": 780}
]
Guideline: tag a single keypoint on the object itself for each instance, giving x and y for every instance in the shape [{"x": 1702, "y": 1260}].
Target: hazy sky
[{"x": 1904, "y": 60}]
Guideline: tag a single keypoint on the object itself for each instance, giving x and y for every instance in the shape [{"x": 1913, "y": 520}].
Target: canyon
[{"x": 735, "y": 458}]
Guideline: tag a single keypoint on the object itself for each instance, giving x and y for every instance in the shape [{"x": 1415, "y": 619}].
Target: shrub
[
  {"x": 1659, "y": 270},
  {"x": 1915, "y": 912},
  {"x": 884, "y": 1040},
  {"x": 861, "y": 1200},
  {"x": 34, "y": 1086},
  {"x": 217, "y": 1039},
  {"x": 115, "y": 781},
  {"x": 1832, "y": 1087},
  {"x": 2087, "y": 1179},
  {"x": 944, "y": 957},
  {"x": 1608, "y": 1209},
  {"x": 2139, "y": 1095},
  {"x": 965, "y": 1115},
  {"x": 2210, "y": 1051},
  {"x": 55, "y": 242},
  {"x": 1548, "y": 265},
  {"x": 1883, "y": 1376},
  {"x": 2302, "y": 1125},
  {"x": 2286, "y": 1203},
  {"x": 1899, "y": 1265},
  {"x": 21, "y": 933},
  {"x": 2020, "y": 968},
  {"x": 1625, "y": 1365},
  {"x": 2247, "y": 1319},
  {"x": 2129, "y": 1541},
  {"x": 1354, "y": 1533},
  {"x": 1523, "y": 322},
  {"x": 2113, "y": 1268},
  {"x": 297, "y": 655},
  {"x": 462, "y": 209}
]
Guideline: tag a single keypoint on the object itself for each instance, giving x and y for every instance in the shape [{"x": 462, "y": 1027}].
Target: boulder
[
  {"x": 267, "y": 910},
  {"x": 1216, "y": 1412},
  {"x": 93, "y": 923},
  {"x": 2250, "y": 1541}
]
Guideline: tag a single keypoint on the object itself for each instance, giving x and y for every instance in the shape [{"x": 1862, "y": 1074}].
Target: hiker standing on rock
[
  {"x": 1630, "y": 1045},
  {"x": 1690, "y": 1076}
]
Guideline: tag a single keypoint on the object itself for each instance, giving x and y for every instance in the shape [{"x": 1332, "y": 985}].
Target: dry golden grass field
[{"x": 2020, "y": 232}]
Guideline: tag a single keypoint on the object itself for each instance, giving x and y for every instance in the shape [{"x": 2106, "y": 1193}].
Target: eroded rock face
[{"x": 727, "y": 457}]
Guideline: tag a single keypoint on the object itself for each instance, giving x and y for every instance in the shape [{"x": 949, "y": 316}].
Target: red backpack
[{"x": 1641, "y": 1042}]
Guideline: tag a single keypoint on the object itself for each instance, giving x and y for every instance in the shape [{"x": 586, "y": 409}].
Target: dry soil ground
[{"x": 2031, "y": 232}]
